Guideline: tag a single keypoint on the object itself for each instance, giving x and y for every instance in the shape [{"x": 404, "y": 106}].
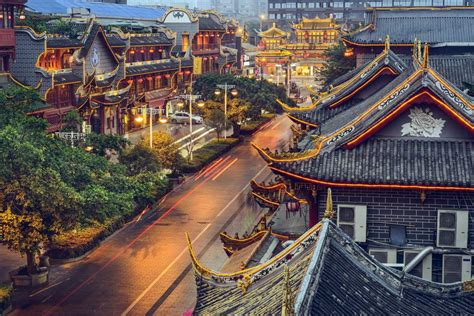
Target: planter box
[{"x": 33, "y": 280}]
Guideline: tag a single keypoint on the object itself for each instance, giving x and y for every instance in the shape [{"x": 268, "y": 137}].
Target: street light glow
[
  {"x": 200, "y": 103},
  {"x": 217, "y": 92},
  {"x": 139, "y": 119},
  {"x": 163, "y": 120},
  {"x": 234, "y": 92},
  {"x": 180, "y": 103}
]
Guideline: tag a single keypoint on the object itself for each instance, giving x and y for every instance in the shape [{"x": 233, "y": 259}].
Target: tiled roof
[
  {"x": 66, "y": 77},
  {"x": 344, "y": 280},
  {"x": 116, "y": 41},
  {"x": 451, "y": 25},
  {"x": 209, "y": 24},
  {"x": 392, "y": 161},
  {"x": 60, "y": 42},
  {"x": 99, "y": 9},
  {"x": 151, "y": 68},
  {"x": 152, "y": 39}
]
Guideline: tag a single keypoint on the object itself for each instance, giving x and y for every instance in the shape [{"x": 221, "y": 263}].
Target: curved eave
[
  {"x": 297, "y": 157},
  {"x": 368, "y": 185},
  {"x": 266, "y": 201},
  {"x": 290, "y": 109},
  {"x": 352, "y": 43},
  {"x": 275, "y": 187},
  {"x": 300, "y": 121}
]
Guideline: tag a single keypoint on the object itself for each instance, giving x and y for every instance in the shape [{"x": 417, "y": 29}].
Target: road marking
[
  {"x": 197, "y": 138},
  {"x": 47, "y": 298},
  {"x": 218, "y": 169},
  {"x": 273, "y": 127},
  {"x": 185, "y": 250},
  {"x": 47, "y": 288},
  {"x": 223, "y": 170},
  {"x": 217, "y": 166},
  {"x": 203, "y": 170}
]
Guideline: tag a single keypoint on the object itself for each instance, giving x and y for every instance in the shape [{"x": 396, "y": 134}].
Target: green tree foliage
[
  {"x": 164, "y": 148},
  {"x": 254, "y": 94},
  {"x": 101, "y": 142},
  {"x": 336, "y": 63},
  {"x": 215, "y": 118},
  {"x": 140, "y": 159},
  {"x": 47, "y": 187},
  {"x": 72, "y": 122}
]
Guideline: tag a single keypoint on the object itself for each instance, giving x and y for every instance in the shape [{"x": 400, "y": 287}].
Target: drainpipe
[{"x": 426, "y": 251}]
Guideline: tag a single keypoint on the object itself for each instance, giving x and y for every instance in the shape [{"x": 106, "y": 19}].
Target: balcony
[
  {"x": 206, "y": 50},
  {"x": 7, "y": 38}
]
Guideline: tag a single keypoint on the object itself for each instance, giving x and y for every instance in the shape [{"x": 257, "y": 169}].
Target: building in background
[
  {"x": 284, "y": 11},
  {"x": 10, "y": 10}
]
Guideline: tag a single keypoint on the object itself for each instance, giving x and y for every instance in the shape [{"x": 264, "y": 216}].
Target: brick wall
[{"x": 403, "y": 207}]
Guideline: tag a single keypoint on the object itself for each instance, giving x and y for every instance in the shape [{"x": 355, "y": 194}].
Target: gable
[
  {"x": 424, "y": 120},
  {"x": 423, "y": 114},
  {"x": 177, "y": 16},
  {"x": 100, "y": 55}
]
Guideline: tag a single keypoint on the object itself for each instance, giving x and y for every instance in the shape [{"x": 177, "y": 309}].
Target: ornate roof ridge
[{"x": 270, "y": 157}]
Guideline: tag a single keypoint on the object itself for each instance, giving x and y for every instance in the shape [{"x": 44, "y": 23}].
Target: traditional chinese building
[
  {"x": 272, "y": 58},
  {"x": 9, "y": 11},
  {"x": 323, "y": 272},
  {"x": 448, "y": 31},
  {"x": 310, "y": 39}
]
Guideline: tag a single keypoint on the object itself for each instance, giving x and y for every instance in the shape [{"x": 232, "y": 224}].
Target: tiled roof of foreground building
[
  {"x": 328, "y": 273},
  {"x": 432, "y": 25}
]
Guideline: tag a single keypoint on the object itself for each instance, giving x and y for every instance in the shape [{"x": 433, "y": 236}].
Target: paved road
[{"x": 145, "y": 267}]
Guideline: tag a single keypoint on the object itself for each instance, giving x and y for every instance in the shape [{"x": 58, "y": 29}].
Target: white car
[{"x": 183, "y": 118}]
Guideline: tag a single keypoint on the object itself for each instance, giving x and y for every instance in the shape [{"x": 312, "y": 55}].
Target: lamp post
[
  {"x": 234, "y": 93},
  {"x": 150, "y": 112},
  {"x": 191, "y": 98},
  {"x": 262, "y": 18}
]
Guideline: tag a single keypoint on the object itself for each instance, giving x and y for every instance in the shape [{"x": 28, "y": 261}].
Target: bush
[
  {"x": 5, "y": 297},
  {"x": 78, "y": 242},
  {"x": 208, "y": 153}
]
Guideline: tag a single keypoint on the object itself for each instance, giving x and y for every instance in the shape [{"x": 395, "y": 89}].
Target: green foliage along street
[
  {"x": 336, "y": 64},
  {"x": 48, "y": 188}
]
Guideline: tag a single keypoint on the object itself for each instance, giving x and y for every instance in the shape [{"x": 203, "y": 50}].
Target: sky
[{"x": 190, "y": 3}]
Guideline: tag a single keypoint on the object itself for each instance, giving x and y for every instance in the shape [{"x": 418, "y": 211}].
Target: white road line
[
  {"x": 185, "y": 250},
  {"x": 138, "y": 299},
  {"x": 47, "y": 288},
  {"x": 223, "y": 170}
]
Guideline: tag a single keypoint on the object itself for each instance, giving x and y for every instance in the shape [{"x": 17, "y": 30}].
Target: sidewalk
[{"x": 9, "y": 261}]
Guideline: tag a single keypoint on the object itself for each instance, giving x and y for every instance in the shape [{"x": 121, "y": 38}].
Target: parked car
[{"x": 183, "y": 118}]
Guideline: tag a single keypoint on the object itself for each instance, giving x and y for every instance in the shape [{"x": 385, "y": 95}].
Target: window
[
  {"x": 352, "y": 219},
  {"x": 452, "y": 229},
  {"x": 398, "y": 235}
]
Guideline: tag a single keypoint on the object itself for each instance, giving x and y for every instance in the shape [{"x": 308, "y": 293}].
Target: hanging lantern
[
  {"x": 167, "y": 76},
  {"x": 292, "y": 207},
  {"x": 152, "y": 50},
  {"x": 130, "y": 81},
  {"x": 149, "y": 78},
  {"x": 132, "y": 52},
  {"x": 142, "y": 51},
  {"x": 158, "y": 77},
  {"x": 349, "y": 52},
  {"x": 140, "y": 80},
  {"x": 200, "y": 103},
  {"x": 180, "y": 103},
  {"x": 234, "y": 92},
  {"x": 187, "y": 72},
  {"x": 217, "y": 92}
]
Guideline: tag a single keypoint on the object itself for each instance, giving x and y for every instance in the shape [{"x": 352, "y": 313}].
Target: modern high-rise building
[{"x": 352, "y": 10}]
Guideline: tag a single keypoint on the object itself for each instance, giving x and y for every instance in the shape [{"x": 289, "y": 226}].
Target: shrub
[{"x": 5, "y": 297}]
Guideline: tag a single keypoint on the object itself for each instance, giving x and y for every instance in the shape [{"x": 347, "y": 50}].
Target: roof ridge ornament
[
  {"x": 425, "y": 56},
  {"x": 329, "y": 212},
  {"x": 387, "y": 43}
]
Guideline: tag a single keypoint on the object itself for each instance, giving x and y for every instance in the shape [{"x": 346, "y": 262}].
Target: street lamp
[
  {"x": 234, "y": 93},
  {"x": 262, "y": 18},
  {"x": 150, "y": 112},
  {"x": 191, "y": 98}
]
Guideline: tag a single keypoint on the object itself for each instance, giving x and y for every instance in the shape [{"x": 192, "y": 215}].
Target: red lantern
[
  {"x": 167, "y": 76},
  {"x": 228, "y": 66},
  {"x": 152, "y": 50},
  {"x": 149, "y": 78},
  {"x": 142, "y": 51},
  {"x": 187, "y": 72},
  {"x": 292, "y": 207},
  {"x": 205, "y": 58},
  {"x": 130, "y": 81},
  {"x": 140, "y": 80},
  {"x": 160, "y": 50},
  {"x": 132, "y": 52},
  {"x": 158, "y": 77}
]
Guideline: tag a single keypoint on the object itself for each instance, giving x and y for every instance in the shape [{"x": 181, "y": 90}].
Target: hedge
[
  {"x": 78, "y": 242},
  {"x": 5, "y": 297},
  {"x": 250, "y": 127},
  {"x": 209, "y": 152}
]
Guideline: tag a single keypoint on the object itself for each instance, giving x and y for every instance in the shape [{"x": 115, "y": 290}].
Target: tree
[
  {"x": 139, "y": 159},
  {"x": 215, "y": 118},
  {"x": 165, "y": 149},
  {"x": 72, "y": 122},
  {"x": 100, "y": 143},
  {"x": 336, "y": 63},
  {"x": 37, "y": 206}
]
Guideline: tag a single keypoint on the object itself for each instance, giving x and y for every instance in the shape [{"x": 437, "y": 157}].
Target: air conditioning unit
[
  {"x": 456, "y": 268},
  {"x": 423, "y": 269},
  {"x": 352, "y": 219},
  {"x": 386, "y": 256},
  {"x": 452, "y": 229}
]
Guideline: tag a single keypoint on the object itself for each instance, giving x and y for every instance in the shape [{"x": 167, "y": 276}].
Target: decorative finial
[
  {"x": 414, "y": 48},
  {"x": 329, "y": 212},
  {"x": 419, "y": 51},
  {"x": 387, "y": 43},
  {"x": 425, "y": 56}
]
